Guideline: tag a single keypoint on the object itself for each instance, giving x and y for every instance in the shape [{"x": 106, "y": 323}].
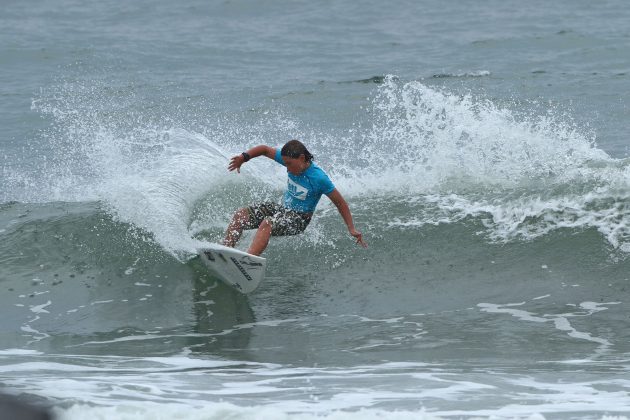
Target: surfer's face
[{"x": 295, "y": 165}]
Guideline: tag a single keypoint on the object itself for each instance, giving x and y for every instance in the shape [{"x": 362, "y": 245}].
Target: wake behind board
[{"x": 237, "y": 269}]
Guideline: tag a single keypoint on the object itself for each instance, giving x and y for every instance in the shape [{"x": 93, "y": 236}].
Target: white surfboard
[{"x": 237, "y": 269}]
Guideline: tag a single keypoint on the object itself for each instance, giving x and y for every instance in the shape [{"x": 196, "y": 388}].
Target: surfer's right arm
[{"x": 261, "y": 150}]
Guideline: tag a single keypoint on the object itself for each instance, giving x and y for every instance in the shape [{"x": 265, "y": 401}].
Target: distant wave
[
  {"x": 479, "y": 73},
  {"x": 374, "y": 79}
]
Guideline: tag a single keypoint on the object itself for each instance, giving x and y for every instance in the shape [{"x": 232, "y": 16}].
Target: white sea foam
[
  {"x": 422, "y": 137},
  {"x": 523, "y": 175},
  {"x": 565, "y": 402},
  {"x": 159, "y": 198},
  {"x": 478, "y": 73},
  {"x": 560, "y": 321},
  {"x": 221, "y": 411},
  {"x": 462, "y": 156},
  {"x": 188, "y": 387},
  {"x": 19, "y": 352},
  {"x": 530, "y": 217}
]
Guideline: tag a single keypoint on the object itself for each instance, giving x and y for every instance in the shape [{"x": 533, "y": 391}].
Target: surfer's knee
[
  {"x": 241, "y": 215},
  {"x": 266, "y": 224}
]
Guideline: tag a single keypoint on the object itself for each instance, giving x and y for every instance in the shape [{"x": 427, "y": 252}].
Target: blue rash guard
[{"x": 305, "y": 190}]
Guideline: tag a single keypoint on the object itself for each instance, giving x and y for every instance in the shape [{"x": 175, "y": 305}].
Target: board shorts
[{"x": 283, "y": 221}]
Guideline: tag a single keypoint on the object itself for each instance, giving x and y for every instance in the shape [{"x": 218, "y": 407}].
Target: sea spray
[
  {"x": 455, "y": 156},
  {"x": 422, "y": 137},
  {"x": 458, "y": 155}
]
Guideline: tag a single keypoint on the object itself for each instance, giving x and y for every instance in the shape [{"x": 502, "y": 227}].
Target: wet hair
[{"x": 295, "y": 148}]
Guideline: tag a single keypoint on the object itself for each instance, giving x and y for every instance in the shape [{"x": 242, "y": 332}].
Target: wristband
[{"x": 246, "y": 156}]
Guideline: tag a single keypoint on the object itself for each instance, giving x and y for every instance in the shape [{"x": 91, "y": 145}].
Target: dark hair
[{"x": 295, "y": 148}]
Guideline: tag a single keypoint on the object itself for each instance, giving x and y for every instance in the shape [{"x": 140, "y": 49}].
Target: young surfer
[{"x": 307, "y": 182}]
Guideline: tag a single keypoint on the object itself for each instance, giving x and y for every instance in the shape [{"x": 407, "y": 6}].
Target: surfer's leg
[
  {"x": 281, "y": 222},
  {"x": 235, "y": 228},
  {"x": 261, "y": 239}
]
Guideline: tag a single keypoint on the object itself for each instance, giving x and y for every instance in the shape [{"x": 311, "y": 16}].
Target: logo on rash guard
[{"x": 296, "y": 190}]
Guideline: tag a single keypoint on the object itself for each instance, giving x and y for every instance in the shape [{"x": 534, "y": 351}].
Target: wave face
[
  {"x": 460, "y": 157},
  {"x": 445, "y": 156},
  {"x": 498, "y": 247}
]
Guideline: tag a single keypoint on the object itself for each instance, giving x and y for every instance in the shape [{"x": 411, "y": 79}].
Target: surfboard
[{"x": 237, "y": 269}]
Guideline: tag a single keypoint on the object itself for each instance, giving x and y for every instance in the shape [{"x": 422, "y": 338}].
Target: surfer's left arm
[{"x": 344, "y": 210}]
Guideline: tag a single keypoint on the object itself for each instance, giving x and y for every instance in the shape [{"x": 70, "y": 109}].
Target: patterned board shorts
[{"x": 283, "y": 221}]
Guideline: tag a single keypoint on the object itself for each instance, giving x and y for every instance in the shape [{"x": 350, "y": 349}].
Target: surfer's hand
[
  {"x": 359, "y": 237},
  {"x": 236, "y": 162}
]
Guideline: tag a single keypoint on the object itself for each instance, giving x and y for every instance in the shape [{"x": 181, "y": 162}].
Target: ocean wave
[
  {"x": 527, "y": 217},
  {"x": 525, "y": 175},
  {"x": 420, "y": 138},
  {"x": 478, "y": 73},
  {"x": 220, "y": 411}
]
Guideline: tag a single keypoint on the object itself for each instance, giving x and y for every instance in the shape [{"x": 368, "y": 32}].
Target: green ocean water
[{"x": 482, "y": 150}]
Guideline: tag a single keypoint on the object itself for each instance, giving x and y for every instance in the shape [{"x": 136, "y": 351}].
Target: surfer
[{"x": 306, "y": 184}]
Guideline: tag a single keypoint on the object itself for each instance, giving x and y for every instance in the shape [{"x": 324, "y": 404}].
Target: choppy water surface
[{"x": 482, "y": 149}]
